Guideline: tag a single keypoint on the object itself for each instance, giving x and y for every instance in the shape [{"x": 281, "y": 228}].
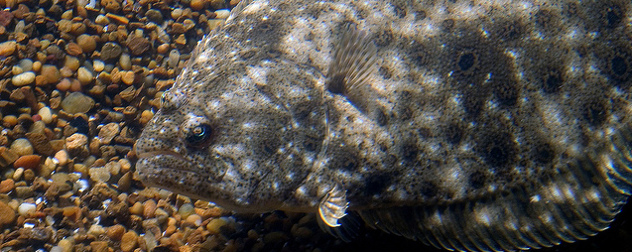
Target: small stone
[
  {"x": 62, "y": 157},
  {"x": 149, "y": 209},
  {"x": 50, "y": 73},
  {"x": 99, "y": 246},
  {"x": 99, "y": 174},
  {"x": 98, "y": 65},
  {"x": 194, "y": 220},
  {"x": 174, "y": 58},
  {"x": 23, "y": 79},
  {"x": 66, "y": 245},
  {"x": 84, "y": 76},
  {"x": 222, "y": 14},
  {"x": 138, "y": 45},
  {"x": 136, "y": 209},
  {"x": 22, "y": 147},
  {"x": 128, "y": 77},
  {"x": 72, "y": 63},
  {"x": 214, "y": 225},
  {"x": 26, "y": 208},
  {"x": 7, "y": 48},
  {"x": 108, "y": 132},
  {"x": 77, "y": 102},
  {"x": 154, "y": 16},
  {"x": 24, "y": 192},
  {"x": 186, "y": 209},
  {"x": 87, "y": 43},
  {"x": 6, "y": 186},
  {"x": 18, "y": 174},
  {"x": 198, "y": 4},
  {"x": 64, "y": 85},
  {"x": 115, "y": 232},
  {"x": 176, "y": 13},
  {"x": 73, "y": 49},
  {"x": 40, "y": 143},
  {"x": 110, "y": 51},
  {"x": 46, "y": 114},
  {"x": 27, "y": 162},
  {"x": 125, "y": 182},
  {"x": 102, "y": 20},
  {"x": 77, "y": 144},
  {"x": 120, "y": 19},
  {"x": 26, "y": 64},
  {"x": 96, "y": 230},
  {"x": 125, "y": 61},
  {"x": 8, "y": 215},
  {"x": 129, "y": 241},
  {"x": 111, "y": 5}
]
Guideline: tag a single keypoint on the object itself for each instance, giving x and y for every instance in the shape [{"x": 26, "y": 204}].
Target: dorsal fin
[{"x": 353, "y": 62}]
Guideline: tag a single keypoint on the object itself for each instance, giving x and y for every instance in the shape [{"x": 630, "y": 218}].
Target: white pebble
[
  {"x": 125, "y": 61},
  {"x": 18, "y": 173},
  {"x": 23, "y": 79},
  {"x": 96, "y": 230},
  {"x": 26, "y": 208},
  {"x": 15, "y": 70},
  {"x": 174, "y": 57},
  {"x": 102, "y": 20},
  {"x": 46, "y": 114},
  {"x": 222, "y": 14},
  {"x": 22, "y": 147},
  {"x": 62, "y": 157}
]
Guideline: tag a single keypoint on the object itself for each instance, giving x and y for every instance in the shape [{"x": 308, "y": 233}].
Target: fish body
[{"x": 468, "y": 125}]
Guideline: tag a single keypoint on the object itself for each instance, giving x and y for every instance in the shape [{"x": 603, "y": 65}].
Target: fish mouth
[{"x": 154, "y": 161}]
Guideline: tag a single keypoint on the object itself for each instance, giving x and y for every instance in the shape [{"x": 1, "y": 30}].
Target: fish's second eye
[{"x": 199, "y": 135}]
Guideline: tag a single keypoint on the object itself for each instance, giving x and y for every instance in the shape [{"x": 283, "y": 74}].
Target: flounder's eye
[{"x": 199, "y": 135}]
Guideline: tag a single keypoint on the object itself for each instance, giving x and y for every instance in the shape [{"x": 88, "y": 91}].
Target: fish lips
[{"x": 167, "y": 169}]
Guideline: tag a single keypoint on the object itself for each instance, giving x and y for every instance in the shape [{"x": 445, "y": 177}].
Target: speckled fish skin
[{"x": 486, "y": 126}]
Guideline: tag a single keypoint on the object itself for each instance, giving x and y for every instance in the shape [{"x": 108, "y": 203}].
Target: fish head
[{"x": 244, "y": 138}]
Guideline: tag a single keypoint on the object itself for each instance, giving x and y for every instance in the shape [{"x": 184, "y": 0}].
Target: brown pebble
[
  {"x": 7, "y": 156},
  {"x": 214, "y": 225},
  {"x": 138, "y": 45},
  {"x": 162, "y": 49},
  {"x": 125, "y": 182},
  {"x": 87, "y": 43},
  {"x": 128, "y": 77},
  {"x": 50, "y": 74},
  {"x": 136, "y": 209},
  {"x": 117, "y": 18},
  {"x": 149, "y": 208},
  {"x": 99, "y": 246},
  {"x": 8, "y": 214},
  {"x": 73, "y": 49},
  {"x": 198, "y": 4},
  {"x": 6, "y": 186},
  {"x": 27, "y": 161},
  {"x": 129, "y": 241},
  {"x": 116, "y": 232},
  {"x": 40, "y": 143}
]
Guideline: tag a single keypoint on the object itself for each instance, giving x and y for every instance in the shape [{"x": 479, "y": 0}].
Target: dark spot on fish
[
  {"x": 474, "y": 99},
  {"x": 377, "y": 183},
  {"x": 384, "y": 37},
  {"x": 466, "y": 61},
  {"x": 410, "y": 151},
  {"x": 380, "y": 117},
  {"x": 400, "y": 8},
  {"x": 448, "y": 24},
  {"x": 619, "y": 66},
  {"x": 552, "y": 80},
  {"x": 497, "y": 147},
  {"x": 428, "y": 189},
  {"x": 477, "y": 179},
  {"x": 386, "y": 72},
  {"x": 613, "y": 16},
  {"x": 595, "y": 110},
  {"x": 506, "y": 90},
  {"x": 544, "y": 153},
  {"x": 454, "y": 132},
  {"x": 312, "y": 143}
]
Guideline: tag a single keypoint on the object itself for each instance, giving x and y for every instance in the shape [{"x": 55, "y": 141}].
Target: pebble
[
  {"x": 76, "y": 143},
  {"x": 22, "y": 147},
  {"x": 222, "y": 14},
  {"x": 62, "y": 157},
  {"x": 37, "y": 66},
  {"x": 84, "y": 76},
  {"x": 77, "y": 102},
  {"x": 125, "y": 61},
  {"x": 6, "y": 186},
  {"x": 128, "y": 77},
  {"x": 99, "y": 246},
  {"x": 8, "y": 214},
  {"x": 46, "y": 114},
  {"x": 214, "y": 225},
  {"x": 72, "y": 63},
  {"x": 18, "y": 173},
  {"x": 63, "y": 85},
  {"x": 98, "y": 65},
  {"x": 198, "y": 4},
  {"x": 50, "y": 74},
  {"x": 87, "y": 43},
  {"x": 110, "y": 50},
  {"x": 149, "y": 209},
  {"x": 96, "y": 230},
  {"x": 176, "y": 13},
  {"x": 108, "y": 132},
  {"x": 73, "y": 49},
  {"x": 23, "y": 79},
  {"x": 136, "y": 209},
  {"x": 26, "y": 64},
  {"x": 102, "y": 20},
  {"x": 66, "y": 245},
  {"x": 23, "y": 192},
  {"x": 138, "y": 45},
  {"x": 41, "y": 143},
  {"x": 194, "y": 220},
  {"x": 115, "y": 232},
  {"x": 26, "y": 208},
  {"x": 129, "y": 241},
  {"x": 125, "y": 182},
  {"x": 186, "y": 209},
  {"x": 7, "y": 48},
  {"x": 27, "y": 162},
  {"x": 174, "y": 58},
  {"x": 9, "y": 121}
]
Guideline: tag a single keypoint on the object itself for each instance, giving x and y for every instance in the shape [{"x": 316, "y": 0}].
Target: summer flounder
[{"x": 468, "y": 125}]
